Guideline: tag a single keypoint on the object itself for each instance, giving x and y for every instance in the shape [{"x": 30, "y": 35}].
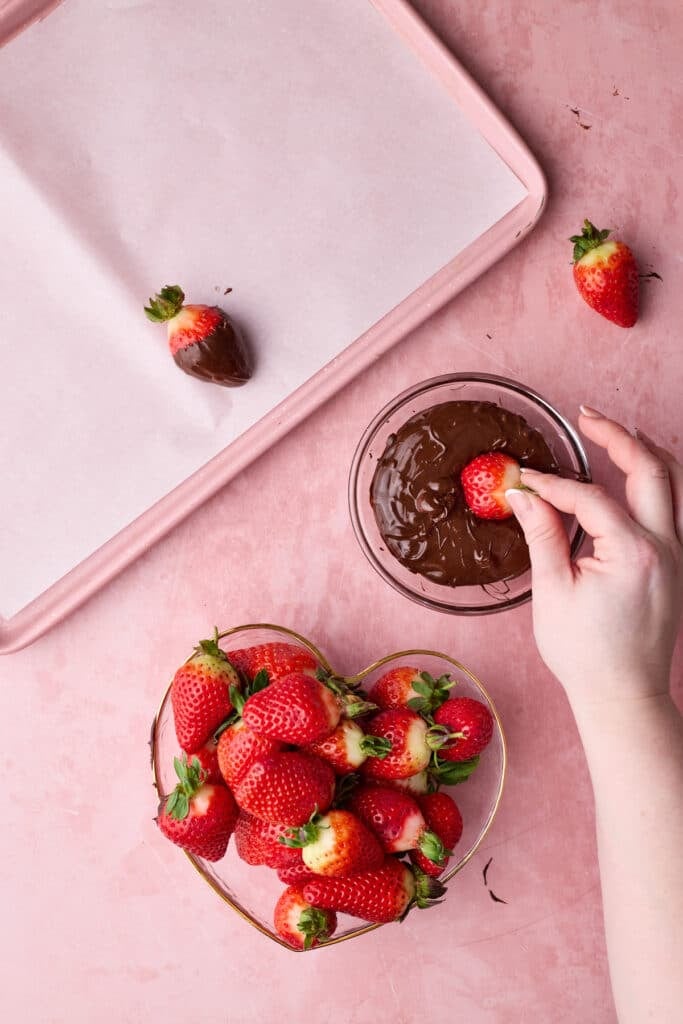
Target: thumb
[{"x": 543, "y": 532}]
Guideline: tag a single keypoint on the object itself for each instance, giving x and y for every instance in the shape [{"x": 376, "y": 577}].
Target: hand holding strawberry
[{"x": 484, "y": 482}]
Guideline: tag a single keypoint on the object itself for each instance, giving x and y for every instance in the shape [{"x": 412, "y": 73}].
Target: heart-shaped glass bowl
[
  {"x": 560, "y": 436},
  {"x": 253, "y": 891}
]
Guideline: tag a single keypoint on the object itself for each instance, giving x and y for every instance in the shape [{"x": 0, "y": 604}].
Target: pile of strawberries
[{"x": 335, "y": 790}]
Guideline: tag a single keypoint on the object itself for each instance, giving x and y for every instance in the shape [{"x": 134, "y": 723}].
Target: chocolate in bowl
[
  {"x": 418, "y": 501},
  {"x": 513, "y": 398}
]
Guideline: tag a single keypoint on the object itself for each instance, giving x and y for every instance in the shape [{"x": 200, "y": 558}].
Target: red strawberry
[
  {"x": 348, "y": 747},
  {"x": 397, "y": 821},
  {"x": 335, "y": 844},
  {"x": 415, "y": 784},
  {"x": 445, "y": 821},
  {"x": 298, "y": 923},
  {"x": 277, "y": 659},
  {"x": 203, "y": 340},
  {"x": 239, "y": 747},
  {"x": 287, "y": 787},
  {"x": 378, "y": 896},
  {"x": 200, "y": 695},
  {"x": 296, "y": 873},
  {"x": 257, "y": 842},
  {"x": 484, "y": 482},
  {"x": 294, "y": 709},
  {"x": 198, "y": 816},
  {"x": 409, "y": 752},
  {"x": 464, "y": 726},
  {"x": 409, "y": 687},
  {"x": 208, "y": 759},
  {"x": 606, "y": 275}
]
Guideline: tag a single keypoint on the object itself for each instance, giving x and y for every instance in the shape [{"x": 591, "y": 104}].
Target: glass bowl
[
  {"x": 253, "y": 891},
  {"x": 559, "y": 435}
]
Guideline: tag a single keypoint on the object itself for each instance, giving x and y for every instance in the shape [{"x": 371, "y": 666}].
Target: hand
[{"x": 606, "y": 625}]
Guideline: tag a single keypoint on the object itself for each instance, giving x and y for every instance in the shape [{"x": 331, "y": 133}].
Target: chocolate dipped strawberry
[{"x": 203, "y": 340}]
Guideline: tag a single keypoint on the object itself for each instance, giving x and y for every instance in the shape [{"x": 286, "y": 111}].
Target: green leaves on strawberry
[
  {"x": 336, "y": 844},
  {"x": 410, "y": 687},
  {"x": 301, "y": 925},
  {"x": 198, "y": 816},
  {"x": 200, "y": 694},
  {"x": 386, "y": 894},
  {"x": 606, "y": 275}
]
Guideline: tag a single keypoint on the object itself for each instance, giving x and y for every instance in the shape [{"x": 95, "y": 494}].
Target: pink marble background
[{"x": 102, "y": 920}]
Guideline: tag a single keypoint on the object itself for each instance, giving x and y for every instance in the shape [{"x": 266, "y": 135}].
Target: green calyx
[
  {"x": 433, "y": 849},
  {"x": 428, "y": 890},
  {"x": 375, "y": 746},
  {"x": 211, "y": 647},
  {"x": 191, "y": 777},
  {"x": 590, "y": 238},
  {"x": 353, "y": 705},
  {"x": 450, "y": 773},
  {"x": 432, "y": 692},
  {"x": 238, "y": 698},
  {"x": 313, "y": 924},
  {"x": 303, "y": 835},
  {"x": 166, "y": 304}
]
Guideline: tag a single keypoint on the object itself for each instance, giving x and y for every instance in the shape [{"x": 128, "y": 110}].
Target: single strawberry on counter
[
  {"x": 484, "y": 482},
  {"x": 276, "y": 658},
  {"x": 443, "y": 818},
  {"x": 463, "y": 729},
  {"x": 200, "y": 695},
  {"x": 410, "y": 688},
  {"x": 606, "y": 275},
  {"x": 348, "y": 747},
  {"x": 386, "y": 894},
  {"x": 409, "y": 753},
  {"x": 204, "y": 342},
  {"x": 197, "y": 815},
  {"x": 286, "y": 788},
  {"x": 298, "y": 923},
  {"x": 336, "y": 844},
  {"x": 397, "y": 821},
  {"x": 295, "y": 709}
]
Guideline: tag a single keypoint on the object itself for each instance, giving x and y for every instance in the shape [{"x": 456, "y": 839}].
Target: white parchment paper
[{"x": 294, "y": 150}]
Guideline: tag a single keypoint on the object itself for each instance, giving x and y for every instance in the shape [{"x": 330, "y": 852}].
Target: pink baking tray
[{"x": 100, "y": 567}]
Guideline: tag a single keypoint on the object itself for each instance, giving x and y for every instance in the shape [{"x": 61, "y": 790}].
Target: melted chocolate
[
  {"x": 221, "y": 358},
  {"x": 418, "y": 500}
]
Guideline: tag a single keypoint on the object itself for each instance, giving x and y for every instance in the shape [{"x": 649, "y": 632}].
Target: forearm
[{"x": 635, "y": 757}]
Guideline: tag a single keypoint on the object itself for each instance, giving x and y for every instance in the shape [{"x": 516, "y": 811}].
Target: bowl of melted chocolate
[{"x": 407, "y": 505}]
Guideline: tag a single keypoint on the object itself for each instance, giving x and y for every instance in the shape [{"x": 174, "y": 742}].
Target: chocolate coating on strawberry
[{"x": 203, "y": 340}]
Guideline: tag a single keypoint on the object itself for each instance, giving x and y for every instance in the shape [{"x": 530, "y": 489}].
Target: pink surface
[{"x": 102, "y": 920}]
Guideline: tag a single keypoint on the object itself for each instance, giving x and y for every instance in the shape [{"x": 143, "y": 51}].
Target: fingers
[
  {"x": 675, "y": 478},
  {"x": 544, "y": 533},
  {"x": 648, "y": 488},
  {"x": 600, "y": 516}
]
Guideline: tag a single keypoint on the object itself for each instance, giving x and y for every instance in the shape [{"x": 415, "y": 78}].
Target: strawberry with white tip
[
  {"x": 409, "y": 753},
  {"x": 301, "y": 925},
  {"x": 200, "y": 695},
  {"x": 197, "y": 815},
  {"x": 484, "y": 482},
  {"x": 606, "y": 275},
  {"x": 203, "y": 340},
  {"x": 336, "y": 844},
  {"x": 379, "y": 896},
  {"x": 397, "y": 821},
  {"x": 296, "y": 709},
  {"x": 348, "y": 747}
]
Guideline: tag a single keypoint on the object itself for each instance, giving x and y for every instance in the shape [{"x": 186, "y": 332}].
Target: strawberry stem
[
  {"x": 191, "y": 776},
  {"x": 312, "y": 924},
  {"x": 590, "y": 238},
  {"x": 166, "y": 304}
]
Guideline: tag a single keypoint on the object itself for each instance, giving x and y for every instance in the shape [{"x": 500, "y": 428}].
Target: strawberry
[
  {"x": 409, "y": 753},
  {"x": 286, "y": 787},
  {"x": 385, "y": 894},
  {"x": 443, "y": 818},
  {"x": 348, "y": 747},
  {"x": 606, "y": 275},
  {"x": 200, "y": 694},
  {"x": 239, "y": 747},
  {"x": 277, "y": 659},
  {"x": 294, "y": 709},
  {"x": 336, "y": 843},
  {"x": 409, "y": 687},
  {"x": 257, "y": 842},
  {"x": 296, "y": 873},
  {"x": 464, "y": 726},
  {"x": 204, "y": 342},
  {"x": 397, "y": 821},
  {"x": 298, "y": 923},
  {"x": 484, "y": 482},
  {"x": 197, "y": 815},
  {"x": 415, "y": 784},
  {"x": 208, "y": 759}
]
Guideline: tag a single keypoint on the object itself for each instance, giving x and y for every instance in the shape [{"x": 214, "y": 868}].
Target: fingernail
[
  {"x": 528, "y": 471},
  {"x": 592, "y": 414},
  {"x": 519, "y": 501}
]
